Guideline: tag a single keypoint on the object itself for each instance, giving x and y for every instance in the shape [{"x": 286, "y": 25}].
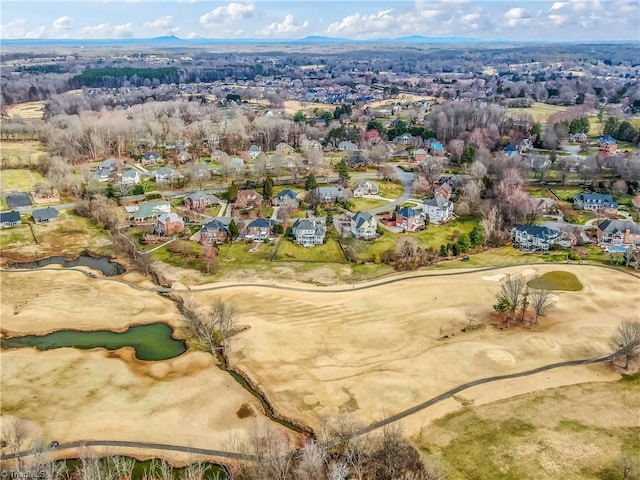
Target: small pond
[
  {"x": 102, "y": 264},
  {"x": 152, "y": 342}
]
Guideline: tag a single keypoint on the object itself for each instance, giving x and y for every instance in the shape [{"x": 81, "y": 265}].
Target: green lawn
[
  {"x": 364, "y": 204},
  {"x": 565, "y": 281},
  {"x": 390, "y": 189},
  {"x": 240, "y": 254},
  {"x": 566, "y": 193},
  {"x": 539, "y": 111},
  {"x": 16, "y": 237},
  {"x": 505, "y": 256},
  {"x": 329, "y": 252},
  {"x": 19, "y": 180},
  {"x": 371, "y": 248},
  {"x": 436, "y": 235},
  {"x": 575, "y": 216}
]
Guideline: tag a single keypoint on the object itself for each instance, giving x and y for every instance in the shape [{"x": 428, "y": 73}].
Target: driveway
[{"x": 407, "y": 184}]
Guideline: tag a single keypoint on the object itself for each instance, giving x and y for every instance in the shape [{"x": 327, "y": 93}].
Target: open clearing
[
  {"x": 14, "y": 154},
  {"x": 18, "y": 180},
  {"x": 27, "y": 110},
  {"x": 98, "y": 395},
  {"x": 540, "y": 112},
  {"x": 376, "y": 350},
  {"x": 575, "y": 432}
]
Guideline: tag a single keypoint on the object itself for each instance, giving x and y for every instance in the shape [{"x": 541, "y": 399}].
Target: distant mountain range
[{"x": 172, "y": 40}]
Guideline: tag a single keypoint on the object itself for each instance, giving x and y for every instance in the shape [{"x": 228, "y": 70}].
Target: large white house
[
  {"x": 438, "y": 209},
  {"x": 309, "y": 231},
  {"x": 534, "y": 238}
]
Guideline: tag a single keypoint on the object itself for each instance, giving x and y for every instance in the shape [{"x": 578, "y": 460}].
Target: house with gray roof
[
  {"x": 130, "y": 177},
  {"x": 184, "y": 157},
  {"x": 9, "y": 219},
  {"x": 347, "y": 146},
  {"x": 254, "y": 151},
  {"x": 169, "y": 224},
  {"x": 286, "y": 198},
  {"x": 438, "y": 209},
  {"x": 409, "y": 219},
  {"x": 618, "y": 232},
  {"x": 167, "y": 175},
  {"x": 199, "y": 200},
  {"x": 214, "y": 232},
  {"x": 150, "y": 210},
  {"x": 364, "y": 225},
  {"x": 309, "y": 231},
  {"x": 151, "y": 158},
  {"x": 45, "y": 215},
  {"x": 259, "y": 230},
  {"x": 532, "y": 238},
  {"x": 596, "y": 202},
  {"x": 17, "y": 199},
  {"x": 365, "y": 187}
]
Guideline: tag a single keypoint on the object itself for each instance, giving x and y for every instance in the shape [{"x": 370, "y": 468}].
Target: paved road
[{"x": 407, "y": 183}]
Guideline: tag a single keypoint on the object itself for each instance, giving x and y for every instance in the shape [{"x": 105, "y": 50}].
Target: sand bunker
[
  {"x": 494, "y": 278},
  {"x": 528, "y": 271}
]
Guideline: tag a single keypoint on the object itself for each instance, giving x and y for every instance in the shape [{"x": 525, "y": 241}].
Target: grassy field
[
  {"x": 23, "y": 180},
  {"x": 568, "y": 433},
  {"x": 575, "y": 216},
  {"x": 540, "y": 112},
  {"x": 565, "y": 281},
  {"x": 19, "y": 154},
  {"x": 329, "y": 252},
  {"x": 504, "y": 256},
  {"x": 364, "y": 204},
  {"x": 436, "y": 235},
  {"x": 70, "y": 234},
  {"x": 390, "y": 189},
  {"x": 28, "y": 110}
]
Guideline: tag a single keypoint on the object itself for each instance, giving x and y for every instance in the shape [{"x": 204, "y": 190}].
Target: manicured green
[
  {"x": 151, "y": 342},
  {"x": 557, "y": 280},
  {"x": 364, "y": 204},
  {"x": 328, "y": 252}
]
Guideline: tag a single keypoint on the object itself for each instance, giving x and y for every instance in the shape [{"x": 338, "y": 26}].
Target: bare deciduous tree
[
  {"x": 626, "y": 341},
  {"x": 541, "y": 301}
]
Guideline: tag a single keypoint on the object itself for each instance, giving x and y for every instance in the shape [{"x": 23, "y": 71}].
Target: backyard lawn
[
  {"x": 23, "y": 180},
  {"x": 436, "y": 235},
  {"x": 540, "y": 112},
  {"x": 15, "y": 154},
  {"x": 390, "y": 189},
  {"x": 364, "y": 204},
  {"x": 329, "y": 252}
]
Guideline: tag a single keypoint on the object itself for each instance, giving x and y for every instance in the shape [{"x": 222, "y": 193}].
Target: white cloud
[
  {"x": 364, "y": 25},
  {"x": 227, "y": 14},
  {"x": 62, "y": 23},
  {"x": 558, "y": 5},
  {"x": 470, "y": 18},
  {"x": 163, "y": 23},
  {"x": 517, "y": 16},
  {"x": 123, "y": 31},
  {"x": 558, "y": 19},
  {"x": 288, "y": 25}
]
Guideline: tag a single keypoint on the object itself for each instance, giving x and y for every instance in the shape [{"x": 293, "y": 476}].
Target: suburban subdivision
[{"x": 335, "y": 259}]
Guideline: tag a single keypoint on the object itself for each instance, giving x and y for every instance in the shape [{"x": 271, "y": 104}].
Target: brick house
[
  {"x": 409, "y": 219},
  {"x": 169, "y": 224}
]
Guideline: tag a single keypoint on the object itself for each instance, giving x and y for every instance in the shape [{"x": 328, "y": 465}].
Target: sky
[{"x": 533, "y": 20}]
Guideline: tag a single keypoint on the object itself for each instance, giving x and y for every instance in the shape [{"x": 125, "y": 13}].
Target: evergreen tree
[
  {"x": 267, "y": 188},
  {"x": 232, "y": 193},
  {"x": 233, "y": 230},
  {"x": 310, "y": 183},
  {"x": 343, "y": 171},
  {"x": 468, "y": 154}
]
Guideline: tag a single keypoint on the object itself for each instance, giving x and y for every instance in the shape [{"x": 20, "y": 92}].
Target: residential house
[
  {"x": 619, "y": 232},
  {"x": 147, "y": 211},
  {"x": 543, "y": 206},
  {"x": 130, "y": 177},
  {"x": 409, "y": 219},
  {"x": 420, "y": 155},
  {"x": 286, "y": 198},
  {"x": 184, "y": 157},
  {"x": 260, "y": 230},
  {"x": 214, "y": 232},
  {"x": 284, "y": 148},
  {"x": 436, "y": 148},
  {"x": 438, "y": 209},
  {"x": 580, "y": 137},
  {"x": 236, "y": 165},
  {"x": 333, "y": 194},
  {"x": 365, "y": 187},
  {"x": 533, "y": 238},
  {"x": 309, "y": 231},
  {"x": 364, "y": 226},
  {"x": 18, "y": 199},
  {"x": 167, "y": 175},
  {"x": 607, "y": 144},
  {"x": 111, "y": 164},
  {"x": 151, "y": 158},
  {"x": 248, "y": 199},
  {"x": 102, "y": 174},
  {"x": 169, "y": 224},
  {"x": 347, "y": 146},
  {"x": 199, "y": 201},
  {"x": 9, "y": 219},
  {"x": 539, "y": 163},
  {"x": 45, "y": 215},
  {"x": 254, "y": 152},
  {"x": 444, "y": 190},
  {"x": 596, "y": 202},
  {"x": 201, "y": 171},
  {"x": 404, "y": 139},
  {"x": 217, "y": 155}
]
